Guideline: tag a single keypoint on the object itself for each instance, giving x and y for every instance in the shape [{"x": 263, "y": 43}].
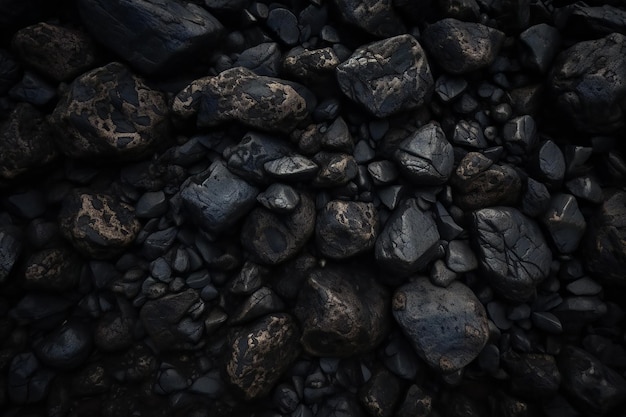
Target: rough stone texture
[
  {"x": 588, "y": 84},
  {"x": 98, "y": 225},
  {"x": 238, "y": 94},
  {"x": 462, "y": 47},
  {"x": 248, "y": 157},
  {"x": 25, "y": 142},
  {"x": 258, "y": 354},
  {"x": 311, "y": 66},
  {"x": 272, "y": 238},
  {"x": 131, "y": 119},
  {"x": 533, "y": 375},
  {"x": 57, "y": 52},
  {"x": 53, "y": 269},
  {"x": 512, "y": 250},
  {"x": 387, "y": 76},
  {"x": 346, "y": 228},
  {"x": 446, "y": 326},
  {"x": 374, "y": 16},
  {"x": 154, "y": 36},
  {"x": 605, "y": 241},
  {"x": 342, "y": 311},
  {"x": 10, "y": 249}
]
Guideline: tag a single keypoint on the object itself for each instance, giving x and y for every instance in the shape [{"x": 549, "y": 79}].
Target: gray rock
[
  {"x": 311, "y": 66},
  {"x": 446, "y": 326},
  {"x": 346, "y": 228},
  {"x": 460, "y": 257},
  {"x": 238, "y": 94},
  {"x": 387, "y": 76},
  {"x": 262, "y": 59},
  {"x": 374, "y": 16},
  {"x": 248, "y": 157},
  {"x": 565, "y": 222},
  {"x": 210, "y": 385},
  {"x": 520, "y": 135},
  {"x": 536, "y": 198},
  {"x": 512, "y": 250},
  {"x": 548, "y": 163},
  {"x": 151, "y": 204},
  {"x": 448, "y": 88},
  {"x": 462, "y": 47},
  {"x": 441, "y": 275},
  {"x": 382, "y": 172},
  {"x": 335, "y": 169},
  {"x": 292, "y": 168},
  {"x": 280, "y": 198},
  {"x": 65, "y": 347},
  {"x": 131, "y": 121},
  {"x": 154, "y": 36},
  {"x": 284, "y": 24},
  {"x": 10, "y": 249},
  {"x": 425, "y": 157},
  {"x": 586, "y": 187},
  {"x": 448, "y": 228},
  {"x": 539, "y": 45},
  {"x": 258, "y": 354},
  {"x": 584, "y": 286},
  {"x": 409, "y": 240},
  {"x": 220, "y": 200}
]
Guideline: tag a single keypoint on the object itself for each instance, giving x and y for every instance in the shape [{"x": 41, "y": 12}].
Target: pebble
[
  {"x": 284, "y": 25},
  {"x": 538, "y": 47},
  {"x": 460, "y": 257},
  {"x": 151, "y": 204}
]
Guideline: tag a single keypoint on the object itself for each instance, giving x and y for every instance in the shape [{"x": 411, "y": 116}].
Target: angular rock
[
  {"x": 533, "y": 375},
  {"x": 292, "y": 168},
  {"x": 520, "y": 134},
  {"x": 66, "y": 347},
  {"x": 272, "y": 238},
  {"x": 342, "y": 312},
  {"x": 409, "y": 240},
  {"x": 335, "y": 169},
  {"x": 346, "y": 228},
  {"x": 446, "y": 326},
  {"x": 258, "y": 354},
  {"x": 10, "y": 250},
  {"x": 595, "y": 20},
  {"x": 260, "y": 303},
  {"x": 512, "y": 250},
  {"x": 536, "y": 198},
  {"x": 220, "y": 200},
  {"x": 154, "y": 36},
  {"x": 586, "y": 187},
  {"x": 262, "y": 59},
  {"x": 238, "y": 94},
  {"x": 280, "y": 198},
  {"x": 130, "y": 122},
  {"x": 426, "y": 157},
  {"x": 387, "y": 76},
  {"x": 98, "y": 225},
  {"x": 27, "y": 382},
  {"x": 565, "y": 222},
  {"x": 374, "y": 16},
  {"x": 462, "y": 47},
  {"x": 469, "y": 134},
  {"x": 539, "y": 45},
  {"x": 380, "y": 394},
  {"x": 248, "y": 157},
  {"x": 57, "y": 52}
]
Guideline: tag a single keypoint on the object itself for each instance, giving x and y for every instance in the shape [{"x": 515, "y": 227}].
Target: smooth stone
[
  {"x": 382, "y": 172},
  {"x": 565, "y": 222},
  {"x": 539, "y": 44},
  {"x": 151, "y": 204},
  {"x": 584, "y": 286},
  {"x": 376, "y": 17},
  {"x": 441, "y": 275},
  {"x": 547, "y": 322},
  {"x": 262, "y": 59},
  {"x": 284, "y": 24},
  {"x": 587, "y": 188},
  {"x": 460, "y": 257},
  {"x": 548, "y": 163},
  {"x": 66, "y": 347}
]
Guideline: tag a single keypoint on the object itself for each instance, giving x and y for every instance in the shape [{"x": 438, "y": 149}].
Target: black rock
[
  {"x": 131, "y": 121},
  {"x": 258, "y": 354},
  {"x": 340, "y": 406},
  {"x": 586, "y": 188},
  {"x": 292, "y": 168},
  {"x": 66, "y": 347},
  {"x": 54, "y": 269},
  {"x": 33, "y": 89},
  {"x": 387, "y": 76},
  {"x": 263, "y": 59},
  {"x": 280, "y": 198},
  {"x": 547, "y": 322},
  {"x": 10, "y": 249},
  {"x": 37, "y": 306},
  {"x": 548, "y": 163},
  {"x": 27, "y": 382},
  {"x": 460, "y": 257},
  {"x": 446, "y": 326},
  {"x": 374, "y": 16},
  {"x": 593, "y": 20},
  {"x": 346, "y": 228},
  {"x": 380, "y": 394},
  {"x": 248, "y": 157},
  {"x": 408, "y": 241},
  {"x": 448, "y": 88},
  {"x": 311, "y": 66},
  {"x": 284, "y": 25},
  {"x": 532, "y": 375},
  {"x": 114, "y": 332},
  {"x": 565, "y": 222},
  {"x": 536, "y": 199},
  {"x": 575, "y": 312},
  {"x": 154, "y": 36},
  {"x": 469, "y": 134},
  {"x": 342, "y": 312},
  {"x": 260, "y": 303},
  {"x": 461, "y": 47},
  {"x": 539, "y": 45},
  {"x": 584, "y": 286},
  {"x": 9, "y": 71},
  {"x": 512, "y": 250},
  {"x": 382, "y": 172},
  {"x": 440, "y": 275},
  {"x": 151, "y": 204},
  {"x": 335, "y": 169},
  {"x": 520, "y": 135},
  {"x": 416, "y": 403}
]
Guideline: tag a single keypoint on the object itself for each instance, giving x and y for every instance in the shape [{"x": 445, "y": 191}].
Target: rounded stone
[{"x": 66, "y": 347}]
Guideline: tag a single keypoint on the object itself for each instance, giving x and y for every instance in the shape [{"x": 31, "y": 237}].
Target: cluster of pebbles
[{"x": 329, "y": 208}]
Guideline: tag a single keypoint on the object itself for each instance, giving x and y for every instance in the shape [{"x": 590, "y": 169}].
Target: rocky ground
[{"x": 329, "y": 208}]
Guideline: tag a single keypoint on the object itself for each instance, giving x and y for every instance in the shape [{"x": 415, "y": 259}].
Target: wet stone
[
  {"x": 387, "y": 76},
  {"x": 151, "y": 204},
  {"x": 263, "y": 59},
  {"x": 30, "y": 204},
  {"x": 548, "y": 163},
  {"x": 461, "y": 47},
  {"x": 66, "y": 347},
  {"x": 539, "y": 45},
  {"x": 280, "y": 198},
  {"x": 292, "y": 168},
  {"x": 408, "y": 241},
  {"x": 346, "y": 228},
  {"x": 565, "y": 222},
  {"x": 263, "y": 301},
  {"x": 547, "y": 322},
  {"x": 584, "y": 286},
  {"x": 258, "y": 354},
  {"x": 497, "y": 314},
  {"x": 425, "y": 157},
  {"x": 536, "y": 198},
  {"x": 342, "y": 312},
  {"x": 512, "y": 250},
  {"x": 446, "y": 326},
  {"x": 460, "y": 257},
  {"x": 10, "y": 249},
  {"x": 533, "y": 375},
  {"x": 98, "y": 225},
  {"x": 157, "y": 243},
  {"x": 376, "y": 17},
  {"x": 335, "y": 169},
  {"x": 130, "y": 30},
  {"x": 382, "y": 172},
  {"x": 469, "y": 134},
  {"x": 131, "y": 121},
  {"x": 238, "y": 94}
]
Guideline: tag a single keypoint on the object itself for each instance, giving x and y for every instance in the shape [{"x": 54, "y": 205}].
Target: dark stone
[
  {"x": 448, "y": 88},
  {"x": 460, "y": 257},
  {"x": 335, "y": 169},
  {"x": 409, "y": 240},
  {"x": 532, "y": 375},
  {"x": 440, "y": 275},
  {"x": 263, "y": 59},
  {"x": 114, "y": 332},
  {"x": 387, "y": 76},
  {"x": 280, "y": 198},
  {"x": 220, "y": 200},
  {"x": 376, "y": 17},
  {"x": 33, "y": 89},
  {"x": 446, "y": 326},
  {"x": 154, "y": 36},
  {"x": 536, "y": 199},
  {"x": 520, "y": 135},
  {"x": 547, "y": 322},
  {"x": 587, "y": 84},
  {"x": 286, "y": 398},
  {"x": 9, "y": 71},
  {"x": 284, "y": 25},
  {"x": 30, "y": 204},
  {"x": 380, "y": 394},
  {"x": 399, "y": 357},
  {"x": 342, "y": 311},
  {"x": 594, "y": 20},
  {"x": 548, "y": 163},
  {"x": 447, "y": 226},
  {"x": 461, "y": 47},
  {"x": 98, "y": 225},
  {"x": 575, "y": 312},
  {"x": 382, "y": 172},
  {"x": 248, "y": 157},
  {"x": 151, "y": 204},
  {"x": 54, "y": 269},
  {"x": 261, "y": 302},
  {"x": 469, "y": 134},
  {"x": 539, "y": 45},
  {"x": 157, "y": 243},
  {"x": 272, "y": 238},
  {"x": 425, "y": 157},
  {"x": 258, "y": 354},
  {"x": 416, "y": 403},
  {"x": 57, "y": 52},
  {"x": 66, "y": 347},
  {"x": 346, "y": 228},
  {"x": 238, "y": 94},
  {"x": 10, "y": 249},
  {"x": 292, "y": 168},
  {"x": 512, "y": 250},
  {"x": 584, "y": 286},
  {"x": 27, "y": 382},
  {"x": 565, "y": 222},
  {"x": 131, "y": 121},
  {"x": 39, "y": 306},
  {"x": 497, "y": 314},
  {"x": 311, "y": 66},
  {"x": 586, "y": 188},
  {"x": 340, "y": 405}
]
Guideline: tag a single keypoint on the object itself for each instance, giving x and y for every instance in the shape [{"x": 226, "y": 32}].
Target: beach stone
[
  {"x": 66, "y": 347},
  {"x": 565, "y": 222},
  {"x": 376, "y": 17},
  {"x": 10, "y": 250}
]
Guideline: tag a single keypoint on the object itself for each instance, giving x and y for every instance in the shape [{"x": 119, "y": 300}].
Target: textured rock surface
[{"x": 374, "y": 16}]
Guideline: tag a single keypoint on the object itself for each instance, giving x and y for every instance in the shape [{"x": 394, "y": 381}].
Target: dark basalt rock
[
  {"x": 98, "y": 225},
  {"x": 387, "y": 76},
  {"x": 342, "y": 312},
  {"x": 446, "y": 326},
  {"x": 27, "y": 382},
  {"x": 512, "y": 250},
  {"x": 311, "y": 66},
  {"x": 154, "y": 36},
  {"x": 54, "y": 269},
  {"x": 238, "y": 94},
  {"x": 538, "y": 46},
  {"x": 258, "y": 354},
  {"x": 114, "y": 332},
  {"x": 380, "y": 394},
  {"x": 66, "y": 347},
  {"x": 10, "y": 249},
  {"x": 374, "y": 16},
  {"x": 131, "y": 121},
  {"x": 533, "y": 375},
  {"x": 565, "y": 222}
]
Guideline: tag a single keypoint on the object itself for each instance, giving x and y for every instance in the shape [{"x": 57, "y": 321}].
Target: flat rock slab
[
  {"x": 446, "y": 326},
  {"x": 239, "y": 94}
]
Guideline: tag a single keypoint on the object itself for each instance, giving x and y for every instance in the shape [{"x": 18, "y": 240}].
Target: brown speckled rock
[
  {"x": 98, "y": 225},
  {"x": 258, "y": 354},
  {"x": 109, "y": 112}
]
